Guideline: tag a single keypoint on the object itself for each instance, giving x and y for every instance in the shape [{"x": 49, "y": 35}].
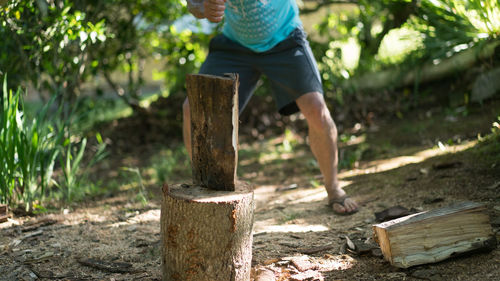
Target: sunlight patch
[
  {"x": 151, "y": 215},
  {"x": 287, "y": 228},
  {"x": 396, "y": 162}
]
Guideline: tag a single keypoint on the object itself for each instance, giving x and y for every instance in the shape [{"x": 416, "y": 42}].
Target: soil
[{"x": 429, "y": 159}]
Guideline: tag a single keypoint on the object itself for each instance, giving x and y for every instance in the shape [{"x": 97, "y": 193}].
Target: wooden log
[
  {"x": 206, "y": 228},
  {"x": 213, "y": 104},
  {"x": 4, "y": 214},
  {"x": 428, "y": 72},
  {"x": 436, "y": 235},
  {"x": 207, "y": 234}
]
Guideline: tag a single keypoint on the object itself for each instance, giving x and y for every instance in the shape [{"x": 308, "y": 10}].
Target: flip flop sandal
[{"x": 341, "y": 202}]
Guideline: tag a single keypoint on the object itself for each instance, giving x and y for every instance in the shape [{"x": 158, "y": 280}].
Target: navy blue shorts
[{"x": 289, "y": 66}]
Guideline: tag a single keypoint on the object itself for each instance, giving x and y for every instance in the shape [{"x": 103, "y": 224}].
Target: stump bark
[
  {"x": 206, "y": 227},
  {"x": 207, "y": 234}
]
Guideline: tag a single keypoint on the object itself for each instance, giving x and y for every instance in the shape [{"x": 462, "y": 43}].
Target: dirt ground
[{"x": 427, "y": 160}]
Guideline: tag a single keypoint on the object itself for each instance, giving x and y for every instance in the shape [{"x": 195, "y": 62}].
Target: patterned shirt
[{"x": 256, "y": 24}]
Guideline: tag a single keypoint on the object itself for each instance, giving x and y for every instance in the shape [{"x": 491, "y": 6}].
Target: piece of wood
[
  {"x": 4, "y": 213},
  {"x": 207, "y": 234},
  {"x": 213, "y": 105},
  {"x": 435, "y": 235}
]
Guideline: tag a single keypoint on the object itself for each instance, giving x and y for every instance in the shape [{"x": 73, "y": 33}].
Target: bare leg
[
  {"x": 323, "y": 142},
  {"x": 186, "y": 126}
]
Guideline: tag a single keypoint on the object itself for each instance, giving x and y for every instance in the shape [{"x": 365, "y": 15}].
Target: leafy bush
[
  {"x": 57, "y": 45},
  {"x": 48, "y": 43},
  {"x": 451, "y": 26},
  {"x": 434, "y": 30}
]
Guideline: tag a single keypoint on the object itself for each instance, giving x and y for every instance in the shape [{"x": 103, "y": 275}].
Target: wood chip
[
  {"x": 41, "y": 256},
  {"x": 303, "y": 264},
  {"x": 18, "y": 241},
  {"x": 308, "y": 275},
  {"x": 264, "y": 274}
]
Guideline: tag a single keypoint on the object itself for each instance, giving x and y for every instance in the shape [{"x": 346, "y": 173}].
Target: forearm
[{"x": 196, "y": 8}]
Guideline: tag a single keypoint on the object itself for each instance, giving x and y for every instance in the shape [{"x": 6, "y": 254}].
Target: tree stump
[
  {"x": 207, "y": 234},
  {"x": 206, "y": 227}
]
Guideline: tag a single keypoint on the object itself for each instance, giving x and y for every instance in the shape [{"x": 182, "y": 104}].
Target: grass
[{"x": 31, "y": 148}]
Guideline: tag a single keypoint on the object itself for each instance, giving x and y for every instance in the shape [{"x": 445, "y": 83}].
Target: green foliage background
[{"x": 56, "y": 46}]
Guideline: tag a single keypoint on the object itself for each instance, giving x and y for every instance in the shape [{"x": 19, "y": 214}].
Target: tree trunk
[
  {"x": 213, "y": 104},
  {"x": 207, "y": 234},
  {"x": 426, "y": 73}
]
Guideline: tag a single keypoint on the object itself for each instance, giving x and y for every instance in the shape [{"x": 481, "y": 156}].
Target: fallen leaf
[{"x": 350, "y": 244}]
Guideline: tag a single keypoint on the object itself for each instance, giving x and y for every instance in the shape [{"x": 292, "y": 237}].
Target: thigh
[
  {"x": 226, "y": 56},
  {"x": 292, "y": 71}
]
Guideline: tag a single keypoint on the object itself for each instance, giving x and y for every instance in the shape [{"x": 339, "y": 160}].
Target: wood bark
[
  {"x": 3, "y": 213},
  {"x": 213, "y": 104},
  {"x": 435, "y": 235},
  {"x": 207, "y": 234}
]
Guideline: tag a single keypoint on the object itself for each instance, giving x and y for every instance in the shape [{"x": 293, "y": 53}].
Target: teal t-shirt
[{"x": 260, "y": 24}]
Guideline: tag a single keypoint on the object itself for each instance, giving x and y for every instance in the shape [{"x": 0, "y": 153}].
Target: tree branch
[{"x": 120, "y": 91}]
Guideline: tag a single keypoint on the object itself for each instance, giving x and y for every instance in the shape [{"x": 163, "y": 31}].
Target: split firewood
[{"x": 435, "y": 235}]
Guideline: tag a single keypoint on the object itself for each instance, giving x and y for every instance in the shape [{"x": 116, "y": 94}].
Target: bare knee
[{"x": 314, "y": 109}]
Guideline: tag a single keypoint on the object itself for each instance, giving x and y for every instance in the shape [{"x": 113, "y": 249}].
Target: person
[{"x": 266, "y": 37}]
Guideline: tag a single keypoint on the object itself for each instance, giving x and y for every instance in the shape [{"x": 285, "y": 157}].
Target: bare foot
[{"x": 340, "y": 202}]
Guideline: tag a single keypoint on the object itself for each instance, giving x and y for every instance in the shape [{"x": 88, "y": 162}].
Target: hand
[{"x": 214, "y": 9}]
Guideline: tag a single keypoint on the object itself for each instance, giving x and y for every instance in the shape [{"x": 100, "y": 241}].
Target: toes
[
  {"x": 350, "y": 205},
  {"x": 339, "y": 208}
]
